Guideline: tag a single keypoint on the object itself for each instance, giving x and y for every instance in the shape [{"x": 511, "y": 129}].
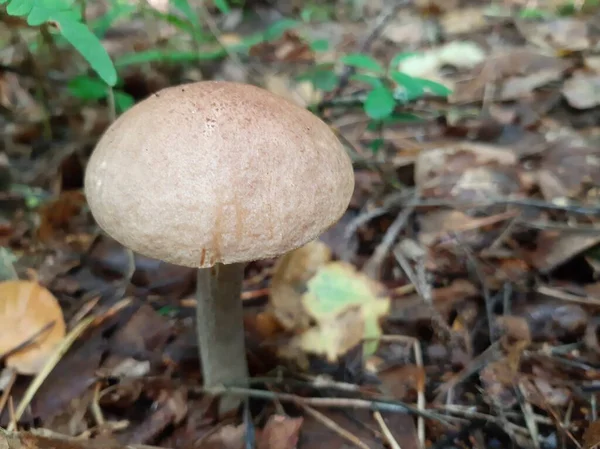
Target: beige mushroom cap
[{"x": 217, "y": 172}]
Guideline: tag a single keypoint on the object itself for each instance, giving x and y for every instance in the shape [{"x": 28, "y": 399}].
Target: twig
[
  {"x": 47, "y": 369},
  {"x": 420, "y": 386},
  {"x": 380, "y": 405},
  {"x": 489, "y": 306},
  {"x": 7, "y": 390},
  {"x": 559, "y": 294},
  {"x": 372, "y": 266},
  {"x": 489, "y": 355},
  {"x": 528, "y": 415},
  {"x": 332, "y": 425},
  {"x": 386, "y": 431}
]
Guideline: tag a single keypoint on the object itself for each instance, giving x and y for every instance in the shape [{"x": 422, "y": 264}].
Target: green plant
[
  {"x": 386, "y": 88},
  {"x": 60, "y": 16}
]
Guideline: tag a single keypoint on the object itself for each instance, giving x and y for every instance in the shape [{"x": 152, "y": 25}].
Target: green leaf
[
  {"x": 362, "y": 61},
  {"x": 123, "y": 101},
  {"x": 435, "y": 88},
  {"x": 116, "y": 12},
  {"x": 402, "y": 117},
  {"x": 319, "y": 45},
  {"x": 322, "y": 77},
  {"x": 87, "y": 88},
  {"x": 346, "y": 306},
  {"x": 222, "y": 6},
  {"x": 398, "y": 58},
  {"x": 276, "y": 30},
  {"x": 376, "y": 144},
  {"x": 184, "y": 7},
  {"x": 413, "y": 87},
  {"x": 148, "y": 56},
  {"x": 90, "y": 47},
  {"x": 380, "y": 103},
  {"x": 371, "y": 80},
  {"x": 19, "y": 7},
  {"x": 2, "y": 2}
]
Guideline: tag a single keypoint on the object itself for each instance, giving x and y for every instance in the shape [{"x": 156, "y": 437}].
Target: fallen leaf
[
  {"x": 464, "y": 20},
  {"x": 280, "y": 432},
  {"x": 529, "y": 68},
  {"x": 35, "y": 320},
  {"x": 582, "y": 90},
  {"x": 428, "y": 64},
  {"x": 291, "y": 274},
  {"x": 57, "y": 215},
  {"x": 555, "y": 248},
  {"x": 226, "y": 437},
  {"x": 346, "y": 306},
  {"x": 591, "y": 436},
  {"x": 566, "y": 34},
  {"x": 468, "y": 172}
]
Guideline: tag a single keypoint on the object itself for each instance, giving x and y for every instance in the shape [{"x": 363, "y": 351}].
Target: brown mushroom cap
[{"x": 217, "y": 172}]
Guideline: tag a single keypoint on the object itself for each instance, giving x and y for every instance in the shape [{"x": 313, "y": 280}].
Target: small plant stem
[{"x": 220, "y": 327}]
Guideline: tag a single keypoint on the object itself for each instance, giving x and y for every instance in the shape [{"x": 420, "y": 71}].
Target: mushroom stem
[{"x": 220, "y": 327}]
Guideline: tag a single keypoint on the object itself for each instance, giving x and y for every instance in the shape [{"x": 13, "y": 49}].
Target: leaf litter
[{"x": 453, "y": 305}]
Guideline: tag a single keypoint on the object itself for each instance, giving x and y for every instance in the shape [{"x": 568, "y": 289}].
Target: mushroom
[{"x": 213, "y": 175}]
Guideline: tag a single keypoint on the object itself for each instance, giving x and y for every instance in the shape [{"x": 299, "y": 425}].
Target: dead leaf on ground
[
  {"x": 429, "y": 64},
  {"x": 570, "y": 170},
  {"x": 226, "y": 437},
  {"x": 553, "y": 248},
  {"x": 509, "y": 74},
  {"x": 57, "y": 215},
  {"x": 467, "y": 172},
  {"x": 591, "y": 436},
  {"x": 280, "y": 432},
  {"x": 407, "y": 29},
  {"x": 582, "y": 90},
  {"x": 566, "y": 34},
  {"x": 464, "y": 20},
  {"x": 36, "y": 324},
  {"x": 346, "y": 307},
  {"x": 290, "y": 277}
]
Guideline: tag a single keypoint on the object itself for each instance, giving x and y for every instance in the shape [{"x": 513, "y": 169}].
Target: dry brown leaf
[
  {"x": 531, "y": 69},
  {"x": 582, "y": 90},
  {"x": 464, "y": 20},
  {"x": 515, "y": 327},
  {"x": 57, "y": 215},
  {"x": 280, "y": 432},
  {"x": 33, "y": 316},
  {"x": 554, "y": 248},
  {"x": 591, "y": 436},
  {"x": 227, "y": 437},
  {"x": 469, "y": 172},
  {"x": 564, "y": 34}
]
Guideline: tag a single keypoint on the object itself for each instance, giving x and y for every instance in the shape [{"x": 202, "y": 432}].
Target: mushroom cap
[{"x": 217, "y": 172}]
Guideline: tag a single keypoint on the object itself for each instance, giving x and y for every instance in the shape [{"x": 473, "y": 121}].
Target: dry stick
[
  {"x": 48, "y": 367},
  {"x": 424, "y": 291},
  {"x": 559, "y": 294},
  {"x": 386, "y": 431},
  {"x": 364, "y": 404},
  {"x": 7, "y": 390},
  {"x": 420, "y": 388},
  {"x": 528, "y": 414},
  {"x": 332, "y": 425},
  {"x": 373, "y": 265}
]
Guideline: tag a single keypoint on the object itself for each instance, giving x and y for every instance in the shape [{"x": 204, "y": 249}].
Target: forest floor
[{"x": 471, "y": 247}]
